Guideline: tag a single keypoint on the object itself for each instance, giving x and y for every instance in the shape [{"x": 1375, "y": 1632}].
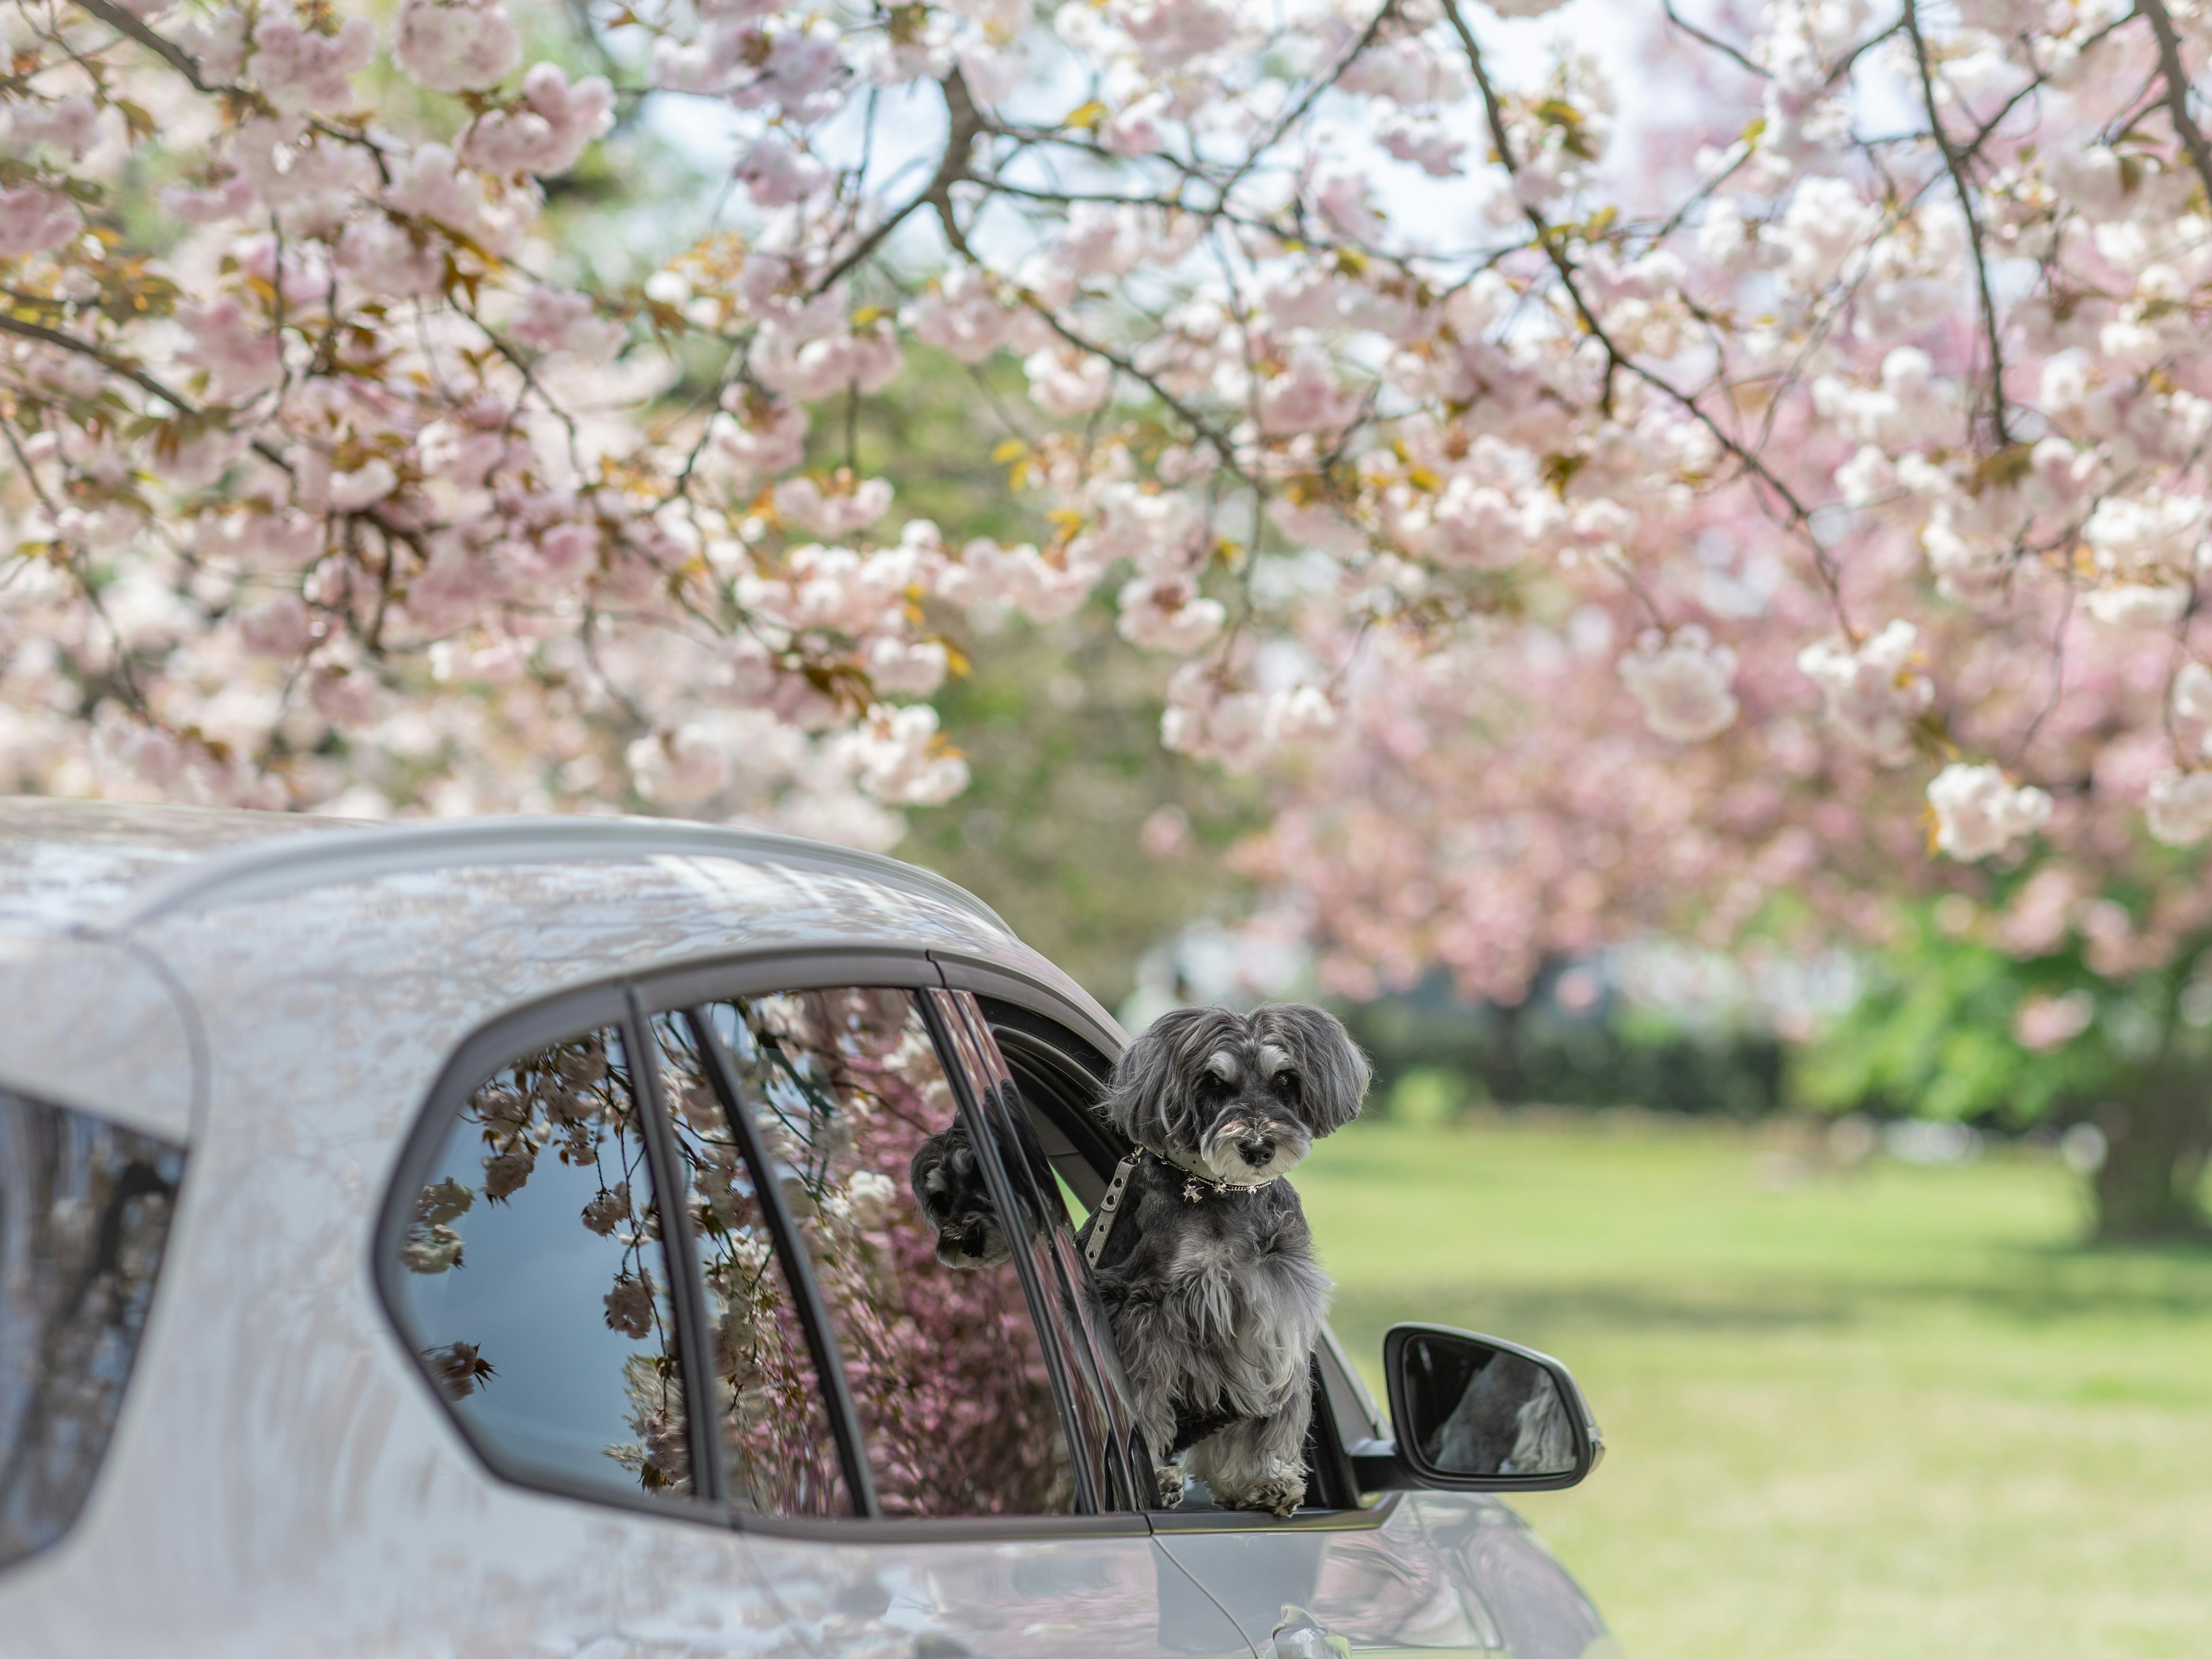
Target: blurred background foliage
[{"x": 1106, "y": 850}]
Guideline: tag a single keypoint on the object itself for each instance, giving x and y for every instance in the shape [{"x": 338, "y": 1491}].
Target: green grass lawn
[{"x": 1895, "y": 1411}]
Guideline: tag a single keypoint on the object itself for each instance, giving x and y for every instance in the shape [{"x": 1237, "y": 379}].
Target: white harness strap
[{"x": 1108, "y": 1207}]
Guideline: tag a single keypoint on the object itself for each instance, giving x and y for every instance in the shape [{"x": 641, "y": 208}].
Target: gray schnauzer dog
[{"x": 1200, "y": 1249}]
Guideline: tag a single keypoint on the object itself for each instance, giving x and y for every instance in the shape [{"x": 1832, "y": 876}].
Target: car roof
[
  {"x": 136, "y": 941},
  {"x": 106, "y": 866}
]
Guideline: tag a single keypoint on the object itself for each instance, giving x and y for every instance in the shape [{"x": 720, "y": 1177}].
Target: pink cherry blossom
[
  {"x": 776, "y": 174},
  {"x": 838, "y": 512},
  {"x": 298, "y": 71},
  {"x": 456, "y": 45},
  {"x": 1682, "y": 682},
  {"x": 1168, "y": 613},
  {"x": 239, "y": 359},
  {"x": 546, "y": 131},
  {"x": 2179, "y": 809},
  {"x": 900, "y": 760},
  {"x": 1874, "y": 693},
  {"x": 34, "y": 220},
  {"x": 2048, "y": 1023},
  {"x": 1579, "y": 538}
]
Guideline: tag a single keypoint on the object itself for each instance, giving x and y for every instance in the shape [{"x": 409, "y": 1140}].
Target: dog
[{"x": 1201, "y": 1250}]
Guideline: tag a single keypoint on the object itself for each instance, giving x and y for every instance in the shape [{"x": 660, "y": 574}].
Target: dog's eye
[{"x": 1285, "y": 1084}]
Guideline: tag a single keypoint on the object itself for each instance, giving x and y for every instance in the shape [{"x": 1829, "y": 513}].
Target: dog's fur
[{"x": 1216, "y": 1303}]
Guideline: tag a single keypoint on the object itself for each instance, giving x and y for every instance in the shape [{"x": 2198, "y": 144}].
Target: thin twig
[
  {"x": 1715, "y": 42},
  {"x": 1964, "y": 185}
]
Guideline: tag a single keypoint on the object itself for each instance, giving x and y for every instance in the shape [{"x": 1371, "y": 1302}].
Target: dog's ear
[
  {"x": 1148, "y": 1098},
  {"x": 1332, "y": 1071}
]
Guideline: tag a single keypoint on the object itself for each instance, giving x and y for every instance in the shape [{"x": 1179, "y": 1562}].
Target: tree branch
[
  {"x": 1716, "y": 44},
  {"x": 2177, "y": 88},
  {"x": 1962, "y": 183},
  {"x": 133, "y": 28},
  {"x": 1799, "y": 516},
  {"x": 963, "y": 125}
]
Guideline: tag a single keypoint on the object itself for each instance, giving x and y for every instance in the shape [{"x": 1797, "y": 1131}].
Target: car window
[
  {"x": 947, "y": 1376},
  {"x": 779, "y": 1453},
  {"x": 533, "y": 1284},
  {"x": 1097, "y": 1390},
  {"x": 84, "y": 1216}
]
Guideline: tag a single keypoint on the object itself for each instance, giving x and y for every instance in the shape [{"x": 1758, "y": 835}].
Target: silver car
[{"x": 496, "y": 1237}]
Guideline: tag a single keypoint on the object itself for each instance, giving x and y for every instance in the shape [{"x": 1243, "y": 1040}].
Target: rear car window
[
  {"x": 533, "y": 1285},
  {"x": 85, "y": 1208}
]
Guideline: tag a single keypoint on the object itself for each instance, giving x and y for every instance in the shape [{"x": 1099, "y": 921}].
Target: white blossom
[
  {"x": 1979, "y": 811},
  {"x": 1873, "y": 694},
  {"x": 2179, "y": 809},
  {"x": 1682, "y": 682}
]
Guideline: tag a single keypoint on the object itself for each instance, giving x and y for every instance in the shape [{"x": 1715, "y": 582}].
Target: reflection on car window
[
  {"x": 947, "y": 1376},
  {"x": 779, "y": 1454},
  {"x": 534, "y": 1286},
  {"x": 84, "y": 1214}
]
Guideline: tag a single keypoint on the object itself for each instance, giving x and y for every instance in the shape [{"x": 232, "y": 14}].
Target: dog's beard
[{"x": 1220, "y": 1154}]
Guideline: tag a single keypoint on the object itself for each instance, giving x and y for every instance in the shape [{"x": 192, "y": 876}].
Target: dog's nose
[{"x": 1256, "y": 1149}]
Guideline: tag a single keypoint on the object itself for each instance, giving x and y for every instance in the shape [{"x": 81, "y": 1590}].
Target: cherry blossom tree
[{"x": 1653, "y": 498}]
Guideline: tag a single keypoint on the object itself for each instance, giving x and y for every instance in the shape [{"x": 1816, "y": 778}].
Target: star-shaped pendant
[{"x": 1190, "y": 1193}]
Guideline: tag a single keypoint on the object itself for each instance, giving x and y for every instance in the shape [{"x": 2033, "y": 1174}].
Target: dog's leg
[
  {"x": 1153, "y": 1410},
  {"x": 1151, "y": 1399},
  {"x": 1259, "y": 1462}
]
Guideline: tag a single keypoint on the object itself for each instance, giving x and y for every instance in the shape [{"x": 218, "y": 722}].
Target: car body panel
[
  {"x": 1376, "y": 1582},
  {"x": 284, "y": 1479},
  {"x": 99, "y": 1024},
  {"x": 1073, "y": 1596}
]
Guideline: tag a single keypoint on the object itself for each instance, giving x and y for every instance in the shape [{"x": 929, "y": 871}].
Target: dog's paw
[
  {"x": 1283, "y": 1497},
  {"x": 1168, "y": 1479},
  {"x": 1278, "y": 1495}
]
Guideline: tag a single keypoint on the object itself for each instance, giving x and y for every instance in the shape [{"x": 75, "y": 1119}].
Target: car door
[{"x": 985, "y": 1503}]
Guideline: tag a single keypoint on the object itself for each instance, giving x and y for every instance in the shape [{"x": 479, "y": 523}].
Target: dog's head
[
  {"x": 948, "y": 1183},
  {"x": 1245, "y": 1096}
]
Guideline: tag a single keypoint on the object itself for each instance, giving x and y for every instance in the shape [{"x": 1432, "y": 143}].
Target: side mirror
[{"x": 1474, "y": 1413}]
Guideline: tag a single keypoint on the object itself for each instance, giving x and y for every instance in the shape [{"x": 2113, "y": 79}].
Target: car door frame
[{"x": 630, "y": 1001}]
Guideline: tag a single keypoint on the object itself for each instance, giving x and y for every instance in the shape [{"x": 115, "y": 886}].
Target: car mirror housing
[{"x": 1476, "y": 1413}]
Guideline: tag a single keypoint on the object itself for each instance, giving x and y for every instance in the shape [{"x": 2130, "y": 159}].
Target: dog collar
[
  {"x": 1109, "y": 1206},
  {"x": 1202, "y": 1177}
]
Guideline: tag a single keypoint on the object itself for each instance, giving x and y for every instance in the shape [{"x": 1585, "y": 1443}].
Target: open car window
[{"x": 1060, "y": 1075}]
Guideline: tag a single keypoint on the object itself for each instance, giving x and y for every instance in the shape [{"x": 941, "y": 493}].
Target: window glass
[
  {"x": 943, "y": 1365},
  {"x": 1096, "y": 1395},
  {"x": 779, "y": 1454},
  {"x": 533, "y": 1284},
  {"x": 84, "y": 1214}
]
